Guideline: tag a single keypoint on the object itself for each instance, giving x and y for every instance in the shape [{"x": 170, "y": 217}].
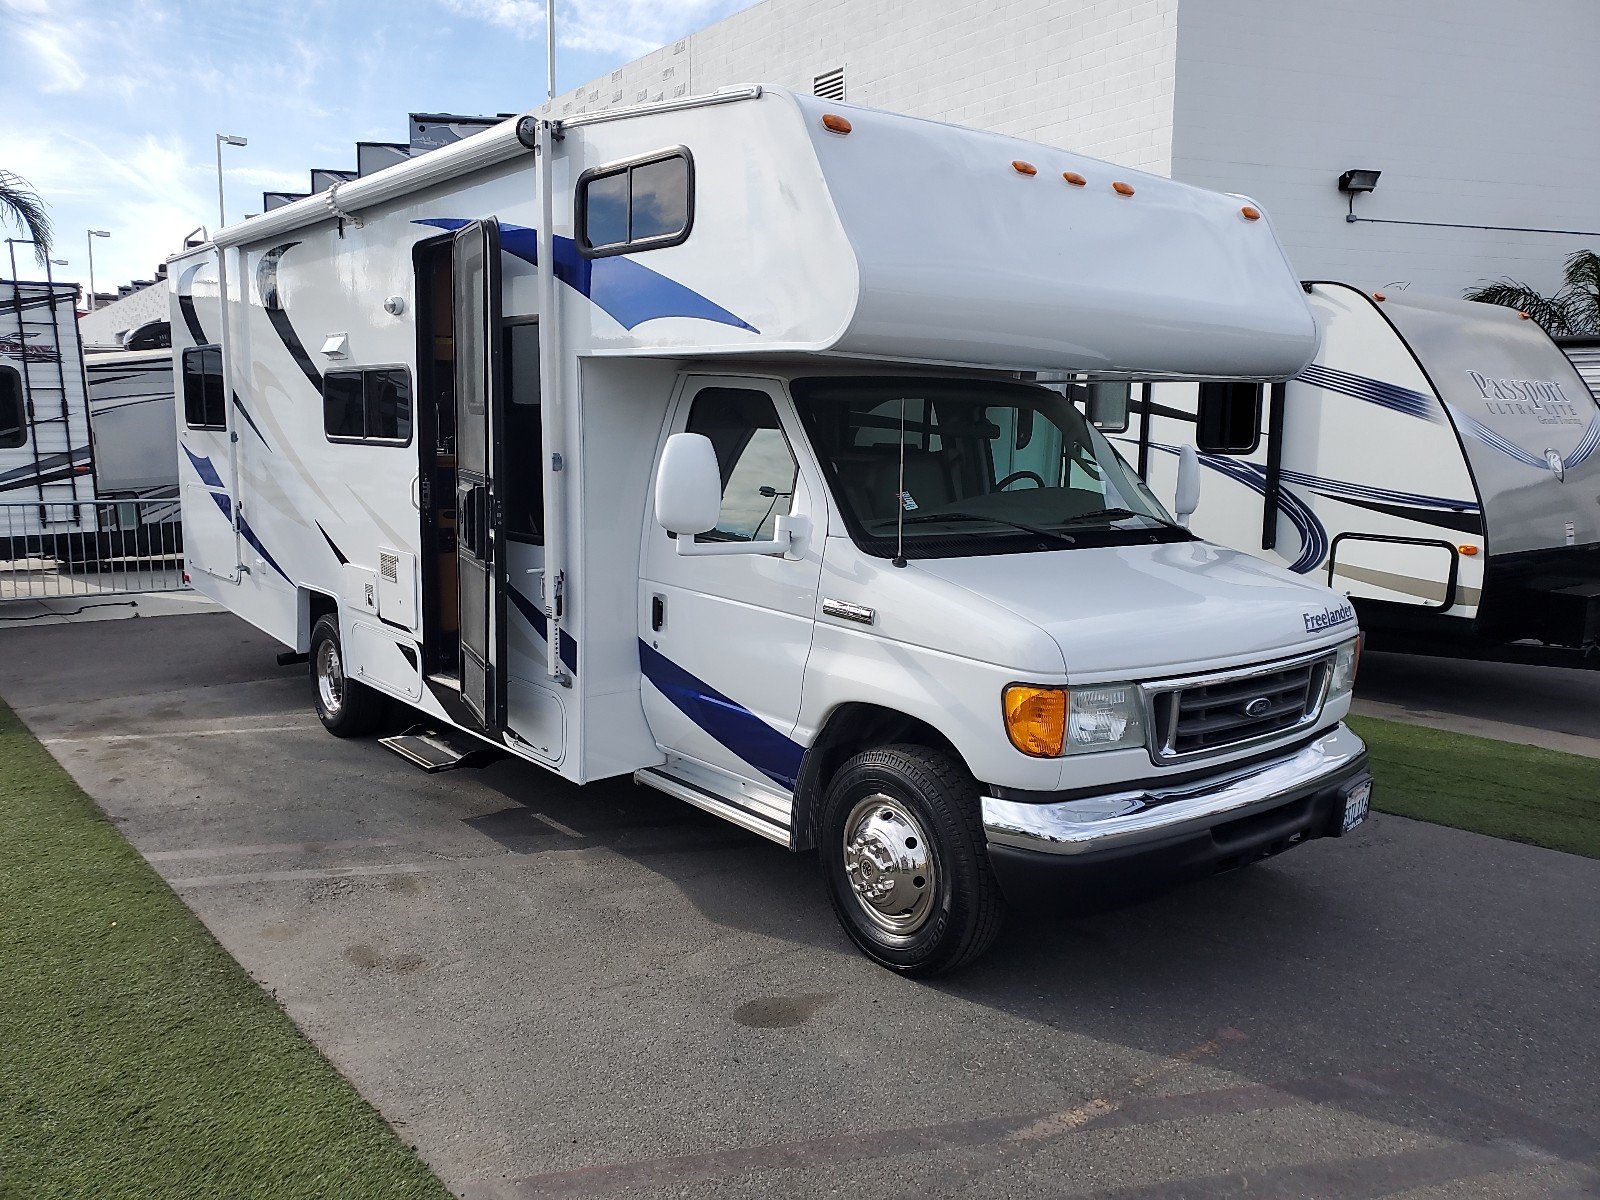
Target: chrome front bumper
[{"x": 1151, "y": 816}]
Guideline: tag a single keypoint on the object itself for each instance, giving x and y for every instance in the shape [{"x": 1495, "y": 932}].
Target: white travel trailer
[
  {"x": 1438, "y": 462},
  {"x": 688, "y": 442},
  {"x": 78, "y": 431}
]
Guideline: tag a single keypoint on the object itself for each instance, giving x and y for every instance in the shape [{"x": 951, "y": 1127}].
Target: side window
[
  {"x": 1107, "y": 406},
  {"x": 523, "y": 485},
  {"x": 13, "y": 412},
  {"x": 371, "y": 405},
  {"x": 757, "y": 466},
  {"x": 636, "y": 206},
  {"x": 204, "y": 406},
  {"x": 1229, "y": 418}
]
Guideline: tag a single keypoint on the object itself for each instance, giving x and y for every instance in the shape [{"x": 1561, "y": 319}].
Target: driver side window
[{"x": 753, "y": 456}]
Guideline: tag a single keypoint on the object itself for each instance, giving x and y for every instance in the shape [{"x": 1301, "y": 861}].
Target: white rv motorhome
[
  {"x": 1438, "y": 462},
  {"x": 77, "y": 432},
  {"x": 688, "y": 442}
]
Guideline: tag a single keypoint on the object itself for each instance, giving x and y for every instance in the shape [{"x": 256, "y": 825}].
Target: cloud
[
  {"x": 631, "y": 27},
  {"x": 45, "y": 43}
]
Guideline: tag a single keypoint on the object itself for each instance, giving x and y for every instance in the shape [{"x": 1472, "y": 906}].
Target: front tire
[
  {"x": 345, "y": 708},
  {"x": 904, "y": 857}
]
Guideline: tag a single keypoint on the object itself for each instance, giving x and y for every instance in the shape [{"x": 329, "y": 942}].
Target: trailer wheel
[
  {"x": 345, "y": 708},
  {"x": 904, "y": 858}
]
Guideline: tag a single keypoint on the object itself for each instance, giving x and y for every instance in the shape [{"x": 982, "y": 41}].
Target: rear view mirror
[
  {"x": 1187, "y": 498},
  {"x": 688, "y": 485}
]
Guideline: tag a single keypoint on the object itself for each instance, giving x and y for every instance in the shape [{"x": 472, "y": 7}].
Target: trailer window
[
  {"x": 758, "y": 468},
  {"x": 636, "y": 206},
  {"x": 204, "y": 406},
  {"x": 371, "y": 405},
  {"x": 13, "y": 413},
  {"x": 1229, "y": 418}
]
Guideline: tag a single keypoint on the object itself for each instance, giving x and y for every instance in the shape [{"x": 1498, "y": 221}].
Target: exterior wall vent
[{"x": 829, "y": 85}]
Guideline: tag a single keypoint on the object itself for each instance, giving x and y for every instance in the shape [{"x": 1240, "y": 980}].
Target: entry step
[{"x": 435, "y": 750}]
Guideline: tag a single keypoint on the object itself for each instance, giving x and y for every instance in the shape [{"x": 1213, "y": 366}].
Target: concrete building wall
[
  {"x": 1091, "y": 75},
  {"x": 1476, "y": 111},
  {"x": 1480, "y": 112}
]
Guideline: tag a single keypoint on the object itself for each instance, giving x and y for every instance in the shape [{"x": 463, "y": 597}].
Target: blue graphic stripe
[
  {"x": 1362, "y": 491},
  {"x": 730, "y": 723},
  {"x": 1495, "y": 442},
  {"x": 1392, "y": 396},
  {"x": 627, "y": 291},
  {"x": 209, "y": 477},
  {"x": 534, "y": 615},
  {"x": 1586, "y": 445},
  {"x": 1313, "y": 535}
]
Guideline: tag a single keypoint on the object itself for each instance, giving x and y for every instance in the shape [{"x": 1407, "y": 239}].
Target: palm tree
[
  {"x": 21, "y": 207},
  {"x": 1574, "y": 309}
]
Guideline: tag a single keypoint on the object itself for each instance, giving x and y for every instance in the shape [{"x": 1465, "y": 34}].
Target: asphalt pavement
[{"x": 600, "y": 991}]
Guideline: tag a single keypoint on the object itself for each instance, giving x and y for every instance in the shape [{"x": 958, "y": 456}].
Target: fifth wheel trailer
[
  {"x": 687, "y": 442},
  {"x": 1438, "y": 462}
]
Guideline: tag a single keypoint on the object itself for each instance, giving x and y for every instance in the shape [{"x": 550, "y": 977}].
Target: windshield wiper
[
  {"x": 1117, "y": 514},
  {"x": 924, "y": 518}
]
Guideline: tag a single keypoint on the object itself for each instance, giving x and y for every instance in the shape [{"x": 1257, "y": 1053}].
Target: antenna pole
[
  {"x": 550, "y": 49},
  {"x": 900, "y": 497}
]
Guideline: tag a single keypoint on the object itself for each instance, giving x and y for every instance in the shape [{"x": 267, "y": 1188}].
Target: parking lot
[{"x": 555, "y": 991}]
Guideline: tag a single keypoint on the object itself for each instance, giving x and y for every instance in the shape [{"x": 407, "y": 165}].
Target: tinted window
[
  {"x": 659, "y": 206},
  {"x": 204, "y": 406},
  {"x": 372, "y": 405},
  {"x": 640, "y": 205},
  {"x": 1229, "y": 419},
  {"x": 1107, "y": 406},
  {"x": 523, "y": 485},
  {"x": 757, "y": 466},
  {"x": 13, "y": 415}
]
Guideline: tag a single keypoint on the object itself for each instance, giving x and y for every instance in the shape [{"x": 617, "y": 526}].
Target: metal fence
[{"x": 90, "y": 548}]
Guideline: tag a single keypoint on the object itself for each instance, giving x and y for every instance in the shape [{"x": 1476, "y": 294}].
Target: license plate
[{"x": 1356, "y": 806}]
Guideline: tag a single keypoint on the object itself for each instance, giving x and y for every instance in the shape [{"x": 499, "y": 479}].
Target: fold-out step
[{"x": 436, "y": 750}]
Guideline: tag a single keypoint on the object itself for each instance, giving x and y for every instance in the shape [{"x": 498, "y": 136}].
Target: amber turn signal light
[
  {"x": 1074, "y": 178},
  {"x": 1122, "y": 189},
  {"x": 1250, "y": 214},
  {"x": 1379, "y": 296},
  {"x": 1469, "y": 551},
  {"x": 835, "y": 124},
  {"x": 1036, "y": 719},
  {"x": 1023, "y": 168}
]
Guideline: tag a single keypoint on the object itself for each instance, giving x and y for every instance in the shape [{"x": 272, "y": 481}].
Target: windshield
[{"x": 990, "y": 467}]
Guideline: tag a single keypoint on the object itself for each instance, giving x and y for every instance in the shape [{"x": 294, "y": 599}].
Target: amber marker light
[
  {"x": 1023, "y": 168},
  {"x": 1036, "y": 719},
  {"x": 1074, "y": 178},
  {"x": 1525, "y": 316},
  {"x": 1379, "y": 296},
  {"x": 835, "y": 123},
  {"x": 1250, "y": 214},
  {"x": 1122, "y": 189},
  {"x": 1469, "y": 551}
]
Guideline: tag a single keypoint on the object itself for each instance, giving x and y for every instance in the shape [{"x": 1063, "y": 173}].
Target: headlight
[
  {"x": 1046, "y": 722},
  {"x": 1342, "y": 678}
]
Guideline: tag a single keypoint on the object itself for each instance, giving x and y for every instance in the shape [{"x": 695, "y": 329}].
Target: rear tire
[
  {"x": 345, "y": 708},
  {"x": 905, "y": 860}
]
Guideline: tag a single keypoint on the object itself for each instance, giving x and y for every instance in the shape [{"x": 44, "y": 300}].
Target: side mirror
[
  {"x": 688, "y": 485},
  {"x": 1187, "y": 498}
]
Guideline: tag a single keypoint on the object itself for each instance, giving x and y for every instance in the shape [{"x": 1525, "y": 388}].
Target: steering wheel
[{"x": 1038, "y": 480}]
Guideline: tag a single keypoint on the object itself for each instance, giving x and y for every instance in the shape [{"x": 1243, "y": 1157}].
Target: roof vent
[{"x": 829, "y": 85}]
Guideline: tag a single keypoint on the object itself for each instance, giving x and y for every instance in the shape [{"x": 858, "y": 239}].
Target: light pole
[
  {"x": 224, "y": 139},
  {"x": 94, "y": 233}
]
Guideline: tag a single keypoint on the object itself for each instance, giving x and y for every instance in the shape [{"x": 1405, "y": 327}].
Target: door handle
[{"x": 658, "y": 612}]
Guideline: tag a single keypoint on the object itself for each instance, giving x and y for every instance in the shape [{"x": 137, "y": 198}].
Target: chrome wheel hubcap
[
  {"x": 889, "y": 864},
  {"x": 330, "y": 678}
]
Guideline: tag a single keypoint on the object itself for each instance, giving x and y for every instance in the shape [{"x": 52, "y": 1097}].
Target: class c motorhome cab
[{"x": 696, "y": 443}]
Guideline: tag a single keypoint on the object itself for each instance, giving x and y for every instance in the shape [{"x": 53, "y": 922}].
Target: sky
[{"x": 111, "y": 109}]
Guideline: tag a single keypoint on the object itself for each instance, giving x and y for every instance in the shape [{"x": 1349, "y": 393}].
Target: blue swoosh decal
[
  {"x": 209, "y": 477},
  {"x": 729, "y": 722},
  {"x": 629, "y": 292},
  {"x": 1392, "y": 396},
  {"x": 534, "y": 615}
]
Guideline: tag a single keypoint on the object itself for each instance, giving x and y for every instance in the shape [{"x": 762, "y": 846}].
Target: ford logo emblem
[{"x": 1257, "y": 707}]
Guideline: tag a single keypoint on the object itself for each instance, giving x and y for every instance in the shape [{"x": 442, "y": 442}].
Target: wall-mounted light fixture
[{"x": 1352, "y": 183}]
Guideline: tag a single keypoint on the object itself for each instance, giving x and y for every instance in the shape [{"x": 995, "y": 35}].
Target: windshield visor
[{"x": 972, "y": 467}]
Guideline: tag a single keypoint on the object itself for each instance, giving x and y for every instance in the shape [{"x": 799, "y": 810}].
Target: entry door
[
  {"x": 480, "y": 539},
  {"x": 724, "y": 640}
]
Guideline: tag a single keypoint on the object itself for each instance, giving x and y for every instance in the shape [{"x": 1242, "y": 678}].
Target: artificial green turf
[
  {"x": 1524, "y": 793},
  {"x": 136, "y": 1057}
]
